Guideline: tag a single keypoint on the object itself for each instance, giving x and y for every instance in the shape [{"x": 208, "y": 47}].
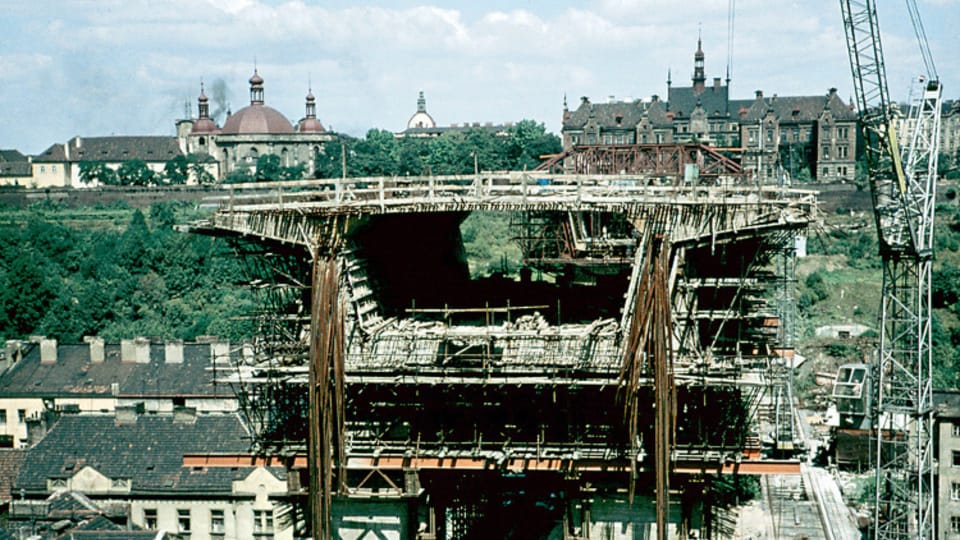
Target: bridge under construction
[{"x": 620, "y": 385}]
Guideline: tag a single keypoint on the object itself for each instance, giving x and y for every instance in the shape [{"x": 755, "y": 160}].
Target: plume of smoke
[{"x": 219, "y": 95}]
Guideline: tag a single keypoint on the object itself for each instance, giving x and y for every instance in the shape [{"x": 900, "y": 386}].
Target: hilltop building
[
  {"x": 422, "y": 124},
  {"x": 805, "y": 135}
]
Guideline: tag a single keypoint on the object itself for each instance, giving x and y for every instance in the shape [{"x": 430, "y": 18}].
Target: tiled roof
[
  {"x": 947, "y": 403},
  {"x": 10, "y": 462},
  {"x": 56, "y": 154},
  {"x": 606, "y": 114},
  {"x": 11, "y": 156},
  {"x": 70, "y": 503},
  {"x": 683, "y": 100},
  {"x": 148, "y": 451},
  {"x": 799, "y": 108},
  {"x": 113, "y": 149},
  {"x": 73, "y": 374}
]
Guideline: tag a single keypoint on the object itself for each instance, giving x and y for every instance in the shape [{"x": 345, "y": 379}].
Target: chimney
[
  {"x": 220, "y": 352},
  {"x": 127, "y": 351},
  {"x": 248, "y": 352},
  {"x": 13, "y": 353},
  {"x": 36, "y": 428},
  {"x": 173, "y": 351},
  {"x": 833, "y": 92},
  {"x": 184, "y": 415},
  {"x": 716, "y": 83},
  {"x": 759, "y": 94},
  {"x": 79, "y": 142},
  {"x": 48, "y": 351},
  {"x": 141, "y": 350},
  {"x": 127, "y": 415},
  {"x": 96, "y": 348},
  {"x": 654, "y": 98}
]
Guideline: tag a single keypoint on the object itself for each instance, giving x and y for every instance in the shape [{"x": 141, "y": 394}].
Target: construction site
[{"x": 625, "y": 383}]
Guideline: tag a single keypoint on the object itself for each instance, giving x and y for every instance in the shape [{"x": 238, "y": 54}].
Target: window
[
  {"x": 53, "y": 168},
  {"x": 21, "y": 415},
  {"x": 825, "y": 152},
  {"x": 263, "y": 522},
  {"x": 43, "y": 169},
  {"x": 216, "y": 522},
  {"x": 183, "y": 521},
  {"x": 955, "y": 425},
  {"x": 3, "y": 416},
  {"x": 842, "y": 132},
  {"x": 150, "y": 519},
  {"x": 842, "y": 152},
  {"x": 826, "y": 171},
  {"x": 752, "y": 136},
  {"x": 955, "y": 491},
  {"x": 955, "y": 524},
  {"x": 956, "y": 458}
]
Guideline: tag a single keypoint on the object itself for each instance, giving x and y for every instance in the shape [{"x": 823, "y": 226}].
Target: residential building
[
  {"x": 60, "y": 165},
  {"x": 252, "y": 131},
  {"x": 15, "y": 169},
  {"x": 808, "y": 136},
  {"x": 947, "y": 472},
  {"x": 40, "y": 378},
  {"x": 139, "y": 467}
]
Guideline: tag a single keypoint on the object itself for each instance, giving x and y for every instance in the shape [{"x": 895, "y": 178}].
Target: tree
[
  {"x": 96, "y": 172},
  {"x": 176, "y": 171},
  {"x": 135, "y": 173},
  {"x": 268, "y": 167}
]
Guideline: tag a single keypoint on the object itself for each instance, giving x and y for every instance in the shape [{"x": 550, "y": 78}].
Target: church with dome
[{"x": 253, "y": 131}]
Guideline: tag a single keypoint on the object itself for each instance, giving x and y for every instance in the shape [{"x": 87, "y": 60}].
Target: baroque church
[{"x": 252, "y": 131}]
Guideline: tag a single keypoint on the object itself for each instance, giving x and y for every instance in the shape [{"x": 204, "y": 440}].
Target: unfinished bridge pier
[{"x": 628, "y": 375}]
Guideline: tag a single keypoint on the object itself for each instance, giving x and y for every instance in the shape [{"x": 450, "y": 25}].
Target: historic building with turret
[
  {"x": 803, "y": 136},
  {"x": 253, "y": 131}
]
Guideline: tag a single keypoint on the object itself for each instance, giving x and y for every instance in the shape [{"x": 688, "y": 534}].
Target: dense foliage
[
  {"x": 841, "y": 282},
  {"x": 141, "y": 278},
  {"x": 453, "y": 152}
]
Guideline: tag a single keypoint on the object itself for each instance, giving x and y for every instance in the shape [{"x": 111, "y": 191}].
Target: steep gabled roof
[
  {"x": 606, "y": 114},
  {"x": 10, "y": 462},
  {"x": 148, "y": 451},
  {"x": 683, "y": 100}
]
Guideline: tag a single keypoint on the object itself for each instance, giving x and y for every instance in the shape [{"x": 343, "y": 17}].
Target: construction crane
[{"x": 901, "y": 157}]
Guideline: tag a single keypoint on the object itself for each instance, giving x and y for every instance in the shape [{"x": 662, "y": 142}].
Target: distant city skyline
[{"x": 115, "y": 67}]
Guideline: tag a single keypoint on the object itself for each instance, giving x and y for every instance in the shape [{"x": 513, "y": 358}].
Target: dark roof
[
  {"x": 148, "y": 451},
  {"x": 73, "y": 374},
  {"x": 56, "y": 153},
  {"x": 630, "y": 114},
  {"x": 10, "y": 462},
  {"x": 683, "y": 100},
  {"x": 799, "y": 108},
  {"x": 70, "y": 504},
  {"x": 113, "y": 149},
  {"x": 439, "y": 130},
  {"x": 11, "y": 156}
]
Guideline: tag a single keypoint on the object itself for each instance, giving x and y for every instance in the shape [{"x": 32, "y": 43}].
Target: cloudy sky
[{"x": 127, "y": 67}]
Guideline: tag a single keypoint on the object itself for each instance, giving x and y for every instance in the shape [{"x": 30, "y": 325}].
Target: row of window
[
  {"x": 21, "y": 416},
  {"x": 262, "y": 521}
]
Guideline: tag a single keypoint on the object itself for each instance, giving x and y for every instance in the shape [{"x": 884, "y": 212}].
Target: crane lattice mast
[{"x": 902, "y": 169}]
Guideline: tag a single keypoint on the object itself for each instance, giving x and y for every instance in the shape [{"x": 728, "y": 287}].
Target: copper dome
[
  {"x": 257, "y": 118},
  {"x": 310, "y": 125},
  {"x": 204, "y": 125}
]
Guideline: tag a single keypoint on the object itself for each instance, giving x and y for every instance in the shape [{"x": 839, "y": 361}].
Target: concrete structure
[
  {"x": 490, "y": 404},
  {"x": 816, "y": 134},
  {"x": 253, "y": 131},
  {"x": 42, "y": 378}
]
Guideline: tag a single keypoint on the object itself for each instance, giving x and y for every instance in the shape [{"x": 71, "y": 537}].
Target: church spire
[
  {"x": 699, "y": 78},
  {"x": 421, "y": 103}
]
